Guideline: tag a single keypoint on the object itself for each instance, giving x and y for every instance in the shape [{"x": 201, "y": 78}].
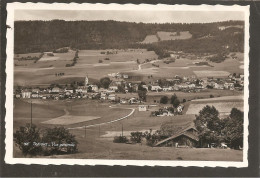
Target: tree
[
  {"x": 141, "y": 92},
  {"x": 105, "y": 82},
  {"x": 136, "y": 137},
  {"x": 173, "y": 98},
  {"x": 233, "y": 128},
  {"x": 164, "y": 100},
  {"x": 89, "y": 89},
  {"x": 208, "y": 125},
  {"x": 60, "y": 141},
  {"x": 176, "y": 103},
  {"x": 25, "y": 138}
]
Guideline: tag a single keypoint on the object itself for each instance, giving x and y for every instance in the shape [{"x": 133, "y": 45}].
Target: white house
[
  {"x": 103, "y": 96},
  {"x": 142, "y": 107},
  {"x": 156, "y": 88},
  {"x": 55, "y": 90},
  {"x": 112, "y": 97},
  {"x": 26, "y": 94},
  {"x": 94, "y": 88},
  {"x": 113, "y": 87}
]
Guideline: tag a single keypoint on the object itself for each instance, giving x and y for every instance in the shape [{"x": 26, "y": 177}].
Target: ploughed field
[{"x": 99, "y": 63}]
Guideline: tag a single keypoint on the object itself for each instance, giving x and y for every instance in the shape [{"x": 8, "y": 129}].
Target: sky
[{"x": 131, "y": 16}]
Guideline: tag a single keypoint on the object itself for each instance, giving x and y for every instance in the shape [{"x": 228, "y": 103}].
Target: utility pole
[
  {"x": 31, "y": 113},
  {"x": 85, "y": 131},
  {"x": 99, "y": 131},
  {"x": 122, "y": 130}
]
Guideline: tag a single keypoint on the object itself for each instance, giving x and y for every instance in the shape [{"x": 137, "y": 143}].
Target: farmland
[{"x": 118, "y": 61}]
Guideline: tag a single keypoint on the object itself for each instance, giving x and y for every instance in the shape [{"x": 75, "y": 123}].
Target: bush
[
  {"x": 68, "y": 65},
  {"x": 164, "y": 100},
  {"x": 136, "y": 137},
  {"x": 100, "y": 61},
  {"x": 120, "y": 139},
  {"x": 211, "y": 96},
  {"x": 60, "y": 140},
  {"x": 25, "y": 138}
]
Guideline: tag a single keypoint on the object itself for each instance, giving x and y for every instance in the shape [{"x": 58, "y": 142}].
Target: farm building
[
  {"x": 142, "y": 107},
  {"x": 186, "y": 137}
]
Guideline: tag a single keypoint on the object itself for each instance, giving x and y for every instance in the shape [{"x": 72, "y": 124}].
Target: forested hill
[{"x": 39, "y": 36}]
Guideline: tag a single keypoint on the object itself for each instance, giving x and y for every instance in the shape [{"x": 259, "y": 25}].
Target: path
[{"x": 93, "y": 125}]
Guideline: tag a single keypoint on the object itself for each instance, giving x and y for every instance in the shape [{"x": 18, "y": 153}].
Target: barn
[{"x": 187, "y": 137}]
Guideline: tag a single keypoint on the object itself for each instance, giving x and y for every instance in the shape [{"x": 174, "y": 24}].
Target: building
[
  {"x": 185, "y": 137},
  {"x": 55, "y": 90},
  {"x": 155, "y": 88},
  {"x": 112, "y": 97},
  {"x": 26, "y": 94},
  {"x": 142, "y": 107}
]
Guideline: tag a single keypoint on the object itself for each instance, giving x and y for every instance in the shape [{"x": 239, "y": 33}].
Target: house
[
  {"x": 35, "y": 95},
  {"x": 187, "y": 136},
  {"x": 55, "y": 90},
  {"x": 35, "y": 90},
  {"x": 26, "y": 94},
  {"x": 167, "y": 88},
  {"x": 156, "y": 88},
  {"x": 180, "y": 108},
  {"x": 17, "y": 95},
  {"x": 113, "y": 87},
  {"x": 125, "y": 76},
  {"x": 68, "y": 90},
  {"x": 142, "y": 107},
  {"x": 103, "y": 96},
  {"x": 112, "y": 97},
  {"x": 94, "y": 88},
  {"x": 133, "y": 100}
]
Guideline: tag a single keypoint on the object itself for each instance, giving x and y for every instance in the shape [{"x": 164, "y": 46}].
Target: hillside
[{"x": 39, "y": 36}]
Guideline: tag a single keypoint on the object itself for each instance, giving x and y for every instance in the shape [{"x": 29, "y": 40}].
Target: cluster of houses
[
  {"x": 168, "y": 111},
  {"x": 119, "y": 84}
]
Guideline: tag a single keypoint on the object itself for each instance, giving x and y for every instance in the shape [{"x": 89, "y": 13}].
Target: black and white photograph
[{"x": 110, "y": 84}]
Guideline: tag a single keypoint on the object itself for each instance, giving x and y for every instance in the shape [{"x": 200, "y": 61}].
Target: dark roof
[{"x": 181, "y": 132}]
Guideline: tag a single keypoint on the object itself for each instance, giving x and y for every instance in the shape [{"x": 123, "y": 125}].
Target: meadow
[
  {"x": 125, "y": 61},
  {"x": 164, "y": 36}
]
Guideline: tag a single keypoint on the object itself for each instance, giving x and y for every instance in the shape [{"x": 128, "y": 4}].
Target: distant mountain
[{"x": 39, "y": 36}]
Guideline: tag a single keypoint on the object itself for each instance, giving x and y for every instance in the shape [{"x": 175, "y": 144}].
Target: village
[{"x": 118, "y": 83}]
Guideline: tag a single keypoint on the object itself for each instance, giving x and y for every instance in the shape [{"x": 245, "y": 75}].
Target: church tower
[{"x": 86, "y": 81}]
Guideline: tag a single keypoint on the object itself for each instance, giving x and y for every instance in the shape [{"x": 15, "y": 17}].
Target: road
[{"x": 116, "y": 120}]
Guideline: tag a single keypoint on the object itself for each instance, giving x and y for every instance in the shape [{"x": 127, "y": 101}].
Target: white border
[{"x": 11, "y": 7}]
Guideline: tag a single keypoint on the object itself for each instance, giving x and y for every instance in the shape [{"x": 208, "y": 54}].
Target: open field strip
[
  {"x": 210, "y": 73},
  {"x": 222, "y": 98},
  {"x": 109, "y": 122},
  {"x": 224, "y": 108}
]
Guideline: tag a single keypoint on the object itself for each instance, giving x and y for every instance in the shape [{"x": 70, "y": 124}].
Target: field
[
  {"x": 150, "y": 39},
  {"x": 193, "y": 96},
  {"x": 124, "y": 61},
  {"x": 98, "y": 143},
  {"x": 163, "y": 36},
  {"x": 173, "y": 35},
  {"x": 208, "y": 73},
  {"x": 223, "y": 104}
]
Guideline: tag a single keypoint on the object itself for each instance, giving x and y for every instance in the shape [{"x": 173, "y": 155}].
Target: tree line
[{"x": 39, "y": 36}]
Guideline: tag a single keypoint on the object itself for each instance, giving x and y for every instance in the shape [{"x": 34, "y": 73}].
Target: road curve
[{"x": 109, "y": 122}]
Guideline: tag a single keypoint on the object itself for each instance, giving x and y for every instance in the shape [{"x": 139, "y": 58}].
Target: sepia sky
[{"x": 131, "y": 16}]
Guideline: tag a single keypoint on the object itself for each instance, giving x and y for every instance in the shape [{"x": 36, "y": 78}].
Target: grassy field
[
  {"x": 98, "y": 145},
  {"x": 192, "y": 96},
  {"x": 163, "y": 36},
  {"x": 150, "y": 39},
  {"x": 124, "y": 61},
  {"x": 173, "y": 35}
]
